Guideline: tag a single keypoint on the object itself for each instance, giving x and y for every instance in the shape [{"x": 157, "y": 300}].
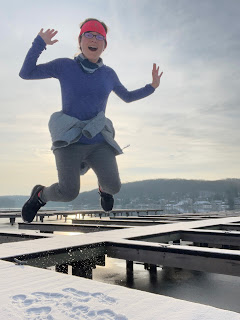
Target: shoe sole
[{"x": 33, "y": 191}]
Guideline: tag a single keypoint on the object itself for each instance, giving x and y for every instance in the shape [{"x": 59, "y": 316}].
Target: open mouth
[{"x": 92, "y": 48}]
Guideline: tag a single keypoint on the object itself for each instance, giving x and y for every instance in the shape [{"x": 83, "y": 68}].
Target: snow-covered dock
[
  {"x": 195, "y": 245},
  {"x": 13, "y": 214},
  {"x": 210, "y": 245},
  {"x": 41, "y": 294}
]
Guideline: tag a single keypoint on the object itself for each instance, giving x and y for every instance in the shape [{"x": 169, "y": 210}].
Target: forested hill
[
  {"x": 170, "y": 189},
  {"x": 150, "y": 190}
]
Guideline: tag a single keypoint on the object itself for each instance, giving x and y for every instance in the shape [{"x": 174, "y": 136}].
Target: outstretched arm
[
  {"x": 155, "y": 77},
  {"x": 129, "y": 96},
  {"x": 30, "y": 69}
]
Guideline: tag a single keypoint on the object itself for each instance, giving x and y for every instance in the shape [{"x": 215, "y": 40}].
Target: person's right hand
[{"x": 48, "y": 35}]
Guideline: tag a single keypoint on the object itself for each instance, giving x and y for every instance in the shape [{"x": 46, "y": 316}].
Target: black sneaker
[
  {"x": 33, "y": 204},
  {"x": 107, "y": 201}
]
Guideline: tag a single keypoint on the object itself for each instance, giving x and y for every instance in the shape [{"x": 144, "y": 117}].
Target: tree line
[{"x": 154, "y": 189}]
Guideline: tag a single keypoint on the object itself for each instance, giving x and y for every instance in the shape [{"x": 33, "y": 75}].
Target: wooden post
[
  {"x": 83, "y": 268},
  {"x": 129, "y": 265},
  {"x": 146, "y": 266},
  {"x": 153, "y": 274},
  {"x": 12, "y": 221},
  {"x": 153, "y": 268},
  {"x": 100, "y": 261},
  {"x": 129, "y": 274},
  {"x": 63, "y": 268}
]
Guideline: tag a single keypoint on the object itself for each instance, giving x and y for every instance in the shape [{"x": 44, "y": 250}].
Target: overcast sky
[{"x": 189, "y": 128}]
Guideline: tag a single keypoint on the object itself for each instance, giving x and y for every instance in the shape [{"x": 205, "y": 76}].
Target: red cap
[{"x": 95, "y": 26}]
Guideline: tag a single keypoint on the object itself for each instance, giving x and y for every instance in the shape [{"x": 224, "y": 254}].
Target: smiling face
[{"x": 92, "y": 48}]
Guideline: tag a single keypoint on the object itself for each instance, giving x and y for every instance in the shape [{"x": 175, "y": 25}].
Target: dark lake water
[{"x": 216, "y": 290}]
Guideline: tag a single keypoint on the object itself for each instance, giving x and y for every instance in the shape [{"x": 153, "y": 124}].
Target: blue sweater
[{"x": 83, "y": 95}]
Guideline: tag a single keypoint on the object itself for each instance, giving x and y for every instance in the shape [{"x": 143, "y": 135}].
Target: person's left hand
[{"x": 156, "y": 78}]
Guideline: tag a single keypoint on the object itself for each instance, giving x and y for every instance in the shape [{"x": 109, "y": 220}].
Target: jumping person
[{"x": 82, "y": 137}]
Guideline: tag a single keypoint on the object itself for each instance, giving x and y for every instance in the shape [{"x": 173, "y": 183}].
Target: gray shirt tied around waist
[{"x": 66, "y": 130}]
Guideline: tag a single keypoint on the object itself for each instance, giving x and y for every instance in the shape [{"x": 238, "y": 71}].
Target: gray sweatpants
[{"x": 100, "y": 157}]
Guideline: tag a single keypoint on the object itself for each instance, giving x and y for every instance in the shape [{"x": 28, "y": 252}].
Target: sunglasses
[{"x": 89, "y": 35}]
